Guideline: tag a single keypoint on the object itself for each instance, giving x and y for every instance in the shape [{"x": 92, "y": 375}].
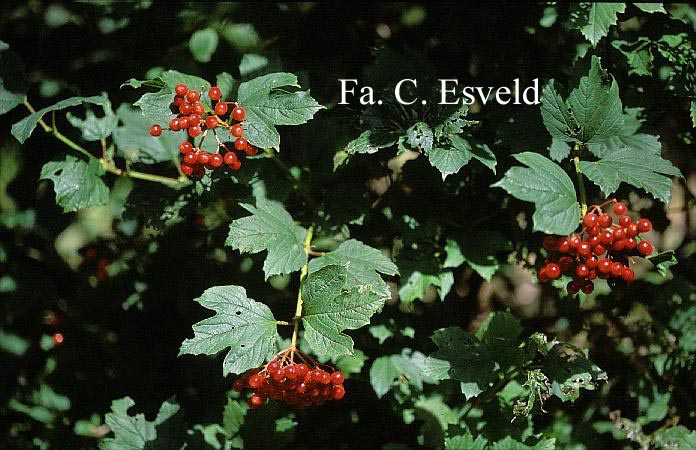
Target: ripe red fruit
[
  {"x": 198, "y": 108},
  {"x": 194, "y": 131},
  {"x": 572, "y": 288},
  {"x": 564, "y": 245},
  {"x": 174, "y": 124},
  {"x": 588, "y": 288},
  {"x": 628, "y": 275},
  {"x": 216, "y": 160},
  {"x": 584, "y": 248},
  {"x": 644, "y": 225},
  {"x": 618, "y": 245},
  {"x": 240, "y": 143},
  {"x": 184, "y": 122},
  {"x": 605, "y": 220},
  {"x": 250, "y": 150},
  {"x": 238, "y": 385},
  {"x": 606, "y": 237},
  {"x": 541, "y": 274},
  {"x": 236, "y": 165},
  {"x": 185, "y": 108},
  {"x": 198, "y": 171},
  {"x": 604, "y": 265},
  {"x": 337, "y": 377},
  {"x": 190, "y": 158},
  {"x": 193, "y": 96},
  {"x": 619, "y": 208},
  {"x": 230, "y": 158},
  {"x": 592, "y": 262},
  {"x": 203, "y": 157},
  {"x": 211, "y": 121},
  {"x": 302, "y": 369},
  {"x": 645, "y": 248},
  {"x": 238, "y": 113},
  {"x": 237, "y": 130},
  {"x": 619, "y": 233},
  {"x": 632, "y": 230},
  {"x": 631, "y": 243},
  {"x": 582, "y": 270},
  {"x": 187, "y": 169},
  {"x": 221, "y": 109},
  {"x": 338, "y": 392},
  {"x": 593, "y": 241},
  {"x": 553, "y": 271},
  {"x": 256, "y": 401},
  {"x": 181, "y": 89},
  {"x": 58, "y": 338},
  {"x": 575, "y": 241},
  {"x": 185, "y": 147},
  {"x": 599, "y": 250},
  {"x": 214, "y": 93},
  {"x": 616, "y": 269},
  {"x": 625, "y": 221},
  {"x": 255, "y": 381},
  {"x": 565, "y": 263},
  {"x": 325, "y": 378},
  {"x": 155, "y": 130},
  {"x": 590, "y": 220}
]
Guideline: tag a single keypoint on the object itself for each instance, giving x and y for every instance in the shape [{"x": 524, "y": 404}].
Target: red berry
[
  {"x": 592, "y": 262},
  {"x": 604, "y": 265},
  {"x": 606, "y": 237},
  {"x": 595, "y": 230},
  {"x": 590, "y": 220},
  {"x": 325, "y": 378},
  {"x": 58, "y": 338},
  {"x": 240, "y": 143},
  {"x": 185, "y": 108},
  {"x": 255, "y": 381},
  {"x": 216, "y": 160},
  {"x": 632, "y": 230},
  {"x": 619, "y": 234},
  {"x": 619, "y": 208},
  {"x": 619, "y": 245},
  {"x": 185, "y": 147},
  {"x": 631, "y": 243},
  {"x": 584, "y": 248},
  {"x": 174, "y": 124},
  {"x": 221, "y": 109},
  {"x": 575, "y": 241},
  {"x": 565, "y": 263},
  {"x": 616, "y": 269},
  {"x": 211, "y": 121},
  {"x": 190, "y": 158},
  {"x": 238, "y": 385},
  {"x": 230, "y": 158},
  {"x": 238, "y": 113},
  {"x": 203, "y": 157},
  {"x": 553, "y": 271},
  {"x": 645, "y": 248},
  {"x": 187, "y": 169},
  {"x": 250, "y": 150},
  {"x": 181, "y": 89},
  {"x": 198, "y": 171},
  {"x": 290, "y": 371},
  {"x": 337, "y": 377},
  {"x": 564, "y": 245},
  {"x": 214, "y": 93},
  {"x": 198, "y": 108},
  {"x": 338, "y": 392},
  {"x": 582, "y": 270},
  {"x": 193, "y": 96},
  {"x": 572, "y": 288},
  {"x": 184, "y": 122},
  {"x": 256, "y": 401},
  {"x": 588, "y": 288},
  {"x": 155, "y": 130},
  {"x": 278, "y": 375},
  {"x": 625, "y": 221},
  {"x": 628, "y": 275},
  {"x": 605, "y": 220},
  {"x": 541, "y": 274},
  {"x": 644, "y": 225},
  {"x": 593, "y": 241},
  {"x": 599, "y": 250},
  {"x": 194, "y": 131},
  {"x": 235, "y": 165},
  {"x": 302, "y": 369},
  {"x": 194, "y": 119},
  {"x": 237, "y": 130}
]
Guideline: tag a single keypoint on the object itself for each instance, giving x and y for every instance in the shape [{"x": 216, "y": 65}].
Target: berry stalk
[
  {"x": 303, "y": 275},
  {"x": 581, "y": 181}
]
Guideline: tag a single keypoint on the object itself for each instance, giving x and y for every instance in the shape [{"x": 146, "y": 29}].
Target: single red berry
[
  {"x": 193, "y": 96},
  {"x": 338, "y": 392},
  {"x": 185, "y": 147},
  {"x": 214, "y": 93},
  {"x": 211, "y": 121},
  {"x": 595, "y": 230},
  {"x": 229, "y": 158},
  {"x": 237, "y": 130},
  {"x": 58, "y": 338},
  {"x": 240, "y": 143},
  {"x": 616, "y": 269},
  {"x": 185, "y": 108},
  {"x": 178, "y": 101},
  {"x": 255, "y": 381},
  {"x": 236, "y": 165},
  {"x": 302, "y": 369},
  {"x": 155, "y": 130},
  {"x": 194, "y": 131},
  {"x": 565, "y": 263},
  {"x": 203, "y": 157},
  {"x": 590, "y": 220},
  {"x": 575, "y": 241},
  {"x": 191, "y": 158},
  {"x": 618, "y": 245},
  {"x": 198, "y": 108},
  {"x": 216, "y": 160},
  {"x": 273, "y": 366},
  {"x": 606, "y": 237},
  {"x": 605, "y": 220},
  {"x": 592, "y": 275},
  {"x": 631, "y": 243},
  {"x": 250, "y": 150},
  {"x": 198, "y": 171},
  {"x": 553, "y": 271},
  {"x": 337, "y": 377},
  {"x": 644, "y": 225},
  {"x": 645, "y": 248},
  {"x": 572, "y": 288},
  {"x": 584, "y": 248},
  {"x": 541, "y": 274},
  {"x": 619, "y": 234},
  {"x": 238, "y": 113},
  {"x": 184, "y": 122},
  {"x": 582, "y": 270},
  {"x": 588, "y": 288},
  {"x": 604, "y": 265},
  {"x": 290, "y": 371},
  {"x": 564, "y": 245},
  {"x": 619, "y": 208},
  {"x": 174, "y": 124},
  {"x": 278, "y": 375},
  {"x": 593, "y": 241},
  {"x": 221, "y": 109},
  {"x": 592, "y": 262},
  {"x": 599, "y": 250},
  {"x": 632, "y": 230},
  {"x": 194, "y": 119},
  {"x": 625, "y": 221},
  {"x": 181, "y": 89},
  {"x": 628, "y": 275},
  {"x": 256, "y": 401},
  {"x": 187, "y": 169},
  {"x": 238, "y": 385},
  {"x": 325, "y": 377}
]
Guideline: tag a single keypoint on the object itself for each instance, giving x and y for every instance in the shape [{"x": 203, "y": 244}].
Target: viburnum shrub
[{"x": 466, "y": 235}]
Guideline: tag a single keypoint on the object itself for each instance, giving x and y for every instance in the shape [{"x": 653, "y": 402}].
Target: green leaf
[
  {"x": 647, "y": 171},
  {"x": 454, "y": 123},
  {"x": 137, "y": 433},
  {"x": 663, "y": 261},
  {"x": 388, "y": 371},
  {"x": 500, "y": 333},
  {"x": 419, "y": 137},
  {"x": 463, "y": 357},
  {"x": 329, "y": 309},
  {"x": 134, "y": 142},
  {"x": 270, "y": 228},
  {"x": 478, "y": 249},
  {"x": 13, "y": 83},
  {"x": 242, "y": 36},
  {"x": 592, "y": 112},
  {"x": 465, "y": 442},
  {"x": 569, "y": 370},
  {"x": 268, "y": 105},
  {"x": 233, "y": 417},
  {"x": 559, "y": 149},
  {"x": 639, "y": 55},
  {"x": 23, "y": 129},
  {"x": 156, "y": 106},
  {"x": 363, "y": 263},
  {"x": 95, "y": 128},
  {"x": 508, "y": 443},
  {"x": 676, "y": 437},
  {"x": 227, "y": 84},
  {"x": 350, "y": 364},
  {"x": 77, "y": 183},
  {"x": 551, "y": 190},
  {"x": 650, "y": 7},
  {"x": 418, "y": 283},
  {"x": 594, "y": 19},
  {"x": 371, "y": 141},
  {"x": 203, "y": 44},
  {"x": 246, "y": 326}
]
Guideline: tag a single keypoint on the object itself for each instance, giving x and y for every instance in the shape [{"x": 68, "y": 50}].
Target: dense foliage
[{"x": 365, "y": 276}]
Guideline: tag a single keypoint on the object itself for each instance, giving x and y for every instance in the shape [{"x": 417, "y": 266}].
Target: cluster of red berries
[
  {"x": 193, "y": 117},
  {"x": 603, "y": 249},
  {"x": 298, "y": 385}
]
